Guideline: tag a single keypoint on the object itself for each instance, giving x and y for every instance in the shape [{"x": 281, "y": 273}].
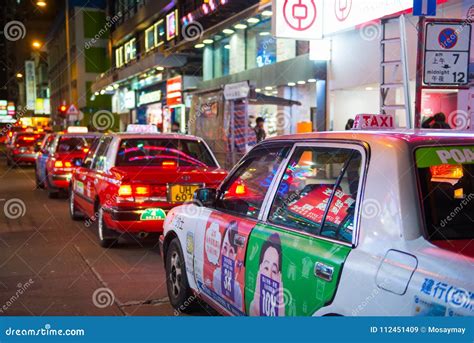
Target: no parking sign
[{"x": 447, "y": 49}]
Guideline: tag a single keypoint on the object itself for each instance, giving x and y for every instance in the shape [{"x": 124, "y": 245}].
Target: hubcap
[
  {"x": 100, "y": 224},
  {"x": 175, "y": 273}
]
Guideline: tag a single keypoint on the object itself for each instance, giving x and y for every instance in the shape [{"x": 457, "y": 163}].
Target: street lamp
[
  {"x": 41, "y": 3},
  {"x": 36, "y": 44},
  {"x": 19, "y": 75}
]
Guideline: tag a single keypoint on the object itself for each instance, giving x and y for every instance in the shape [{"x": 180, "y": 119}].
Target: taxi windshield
[
  {"x": 446, "y": 175},
  {"x": 164, "y": 153},
  {"x": 69, "y": 144}
]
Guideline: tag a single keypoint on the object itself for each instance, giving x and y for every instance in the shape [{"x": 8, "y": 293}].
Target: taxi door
[
  {"x": 43, "y": 157},
  {"x": 222, "y": 243},
  {"x": 297, "y": 251}
]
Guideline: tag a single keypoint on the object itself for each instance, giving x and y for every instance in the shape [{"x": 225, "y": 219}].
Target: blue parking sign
[{"x": 424, "y": 7}]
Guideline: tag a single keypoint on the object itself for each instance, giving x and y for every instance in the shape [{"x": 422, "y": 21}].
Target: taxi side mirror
[{"x": 205, "y": 197}]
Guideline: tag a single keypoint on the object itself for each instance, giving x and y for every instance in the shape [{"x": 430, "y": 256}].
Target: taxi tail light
[
  {"x": 168, "y": 164},
  {"x": 159, "y": 191},
  {"x": 141, "y": 190},
  {"x": 58, "y": 164},
  {"x": 125, "y": 191}
]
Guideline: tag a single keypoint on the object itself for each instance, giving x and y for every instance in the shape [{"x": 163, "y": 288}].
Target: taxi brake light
[
  {"x": 28, "y": 139},
  {"x": 58, "y": 164},
  {"x": 125, "y": 190},
  {"x": 168, "y": 164},
  {"x": 142, "y": 190},
  {"x": 240, "y": 189},
  {"x": 67, "y": 164},
  {"x": 86, "y": 150}
]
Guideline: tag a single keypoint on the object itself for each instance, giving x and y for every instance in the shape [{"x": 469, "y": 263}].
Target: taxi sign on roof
[
  {"x": 138, "y": 128},
  {"x": 373, "y": 121},
  {"x": 77, "y": 129}
]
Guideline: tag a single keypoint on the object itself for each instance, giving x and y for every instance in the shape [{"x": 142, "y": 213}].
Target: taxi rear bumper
[
  {"x": 60, "y": 181},
  {"x": 129, "y": 220},
  {"x": 24, "y": 158}
]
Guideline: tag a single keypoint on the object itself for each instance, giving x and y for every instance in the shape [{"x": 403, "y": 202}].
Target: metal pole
[
  {"x": 419, "y": 70},
  {"x": 406, "y": 76},
  {"x": 68, "y": 53}
]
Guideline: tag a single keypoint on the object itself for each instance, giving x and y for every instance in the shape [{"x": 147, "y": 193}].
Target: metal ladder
[{"x": 397, "y": 66}]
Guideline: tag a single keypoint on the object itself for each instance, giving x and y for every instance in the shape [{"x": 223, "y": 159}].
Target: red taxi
[
  {"x": 60, "y": 154},
  {"x": 129, "y": 181},
  {"x": 22, "y": 148}
]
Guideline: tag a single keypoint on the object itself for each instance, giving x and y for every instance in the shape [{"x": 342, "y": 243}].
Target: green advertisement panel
[
  {"x": 281, "y": 268},
  {"x": 434, "y": 156}
]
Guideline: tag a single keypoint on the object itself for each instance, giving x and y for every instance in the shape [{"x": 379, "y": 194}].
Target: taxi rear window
[
  {"x": 447, "y": 190},
  {"x": 68, "y": 144},
  {"x": 28, "y": 139},
  {"x": 164, "y": 153}
]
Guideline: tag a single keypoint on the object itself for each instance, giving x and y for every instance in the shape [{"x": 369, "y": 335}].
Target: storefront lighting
[
  {"x": 268, "y": 88},
  {"x": 200, "y": 45},
  {"x": 267, "y": 13},
  {"x": 301, "y": 82},
  {"x": 160, "y": 68},
  {"x": 264, "y": 33},
  {"x": 311, "y": 80},
  {"x": 102, "y": 92},
  {"x": 228, "y": 31},
  {"x": 96, "y": 93},
  {"x": 240, "y": 26},
  {"x": 291, "y": 84},
  {"x": 109, "y": 88},
  {"x": 227, "y": 46},
  {"x": 253, "y": 20},
  {"x": 208, "y": 41},
  {"x": 369, "y": 88},
  {"x": 19, "y": 75},
  {"x": 41, "y": 3}
]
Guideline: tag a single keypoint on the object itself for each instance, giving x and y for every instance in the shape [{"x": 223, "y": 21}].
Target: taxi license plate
[{"x": 182, "y": 193}]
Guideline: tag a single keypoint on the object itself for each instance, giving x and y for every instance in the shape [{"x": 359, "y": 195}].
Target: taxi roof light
[
  {"x": 77, "y": 129},
  {"x": 373, "y": 122},
  {"x": 139, "y": 128}
]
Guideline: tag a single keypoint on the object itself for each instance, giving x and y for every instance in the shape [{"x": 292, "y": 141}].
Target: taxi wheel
[
  {"x": 107, "y": 238},
  {"x": 75, "y": 214},
  {"x": 179, "y": 292}
]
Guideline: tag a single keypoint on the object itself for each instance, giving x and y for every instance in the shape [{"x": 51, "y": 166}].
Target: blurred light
[
  {"x": 36, "y": 44},
  {"x": 268, "y": 88},
  {"x": 258, "y": 90},
  {"x": 41, "y": 3},
  {"x": 311, "y": 80},
  {"x": 19, "y": 75},
  {"x": 227, "y": 46},
  {"x": 200, "y": 45},
  {"x": 208, "y": 41},
  {"x": 301, "y": 82},
  {"x": 275, "y": 92},
  {"x": 228, "y": 31},
  {"x": 291, "y": 84},
  {"x": 253, "y": 20},
  {"x": 240, "y": 26},
  {"x": 102, "y": 92},
  {"x": 369, "y": 88},
  {"x": 267, "y": 13},
  {"x": 160, "y": 68},
  {"x": 265, "y": 33}
]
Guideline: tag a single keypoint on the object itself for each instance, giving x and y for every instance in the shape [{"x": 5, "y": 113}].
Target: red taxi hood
[{"x": 165, "y": 175}]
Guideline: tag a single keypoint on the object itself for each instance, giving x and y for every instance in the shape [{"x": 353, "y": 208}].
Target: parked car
[
  {"x": 130, "y": 181},
  {"x": 341, "y": 223},
  {"x": 59, "y": 155}
]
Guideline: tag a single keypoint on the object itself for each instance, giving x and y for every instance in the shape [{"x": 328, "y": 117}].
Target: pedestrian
[
  {"x": 438, "y": 121},
  {"x": 259, "y": 129},
  {"x": 349, "y": 124}
]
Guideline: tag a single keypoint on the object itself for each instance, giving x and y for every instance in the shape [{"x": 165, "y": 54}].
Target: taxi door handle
[{"x": 323, "y": 271}]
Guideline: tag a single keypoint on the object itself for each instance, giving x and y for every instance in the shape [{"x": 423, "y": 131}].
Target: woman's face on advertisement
[
  {"x": 227, "y": 249},
  {"x": 270, "y": 263}
]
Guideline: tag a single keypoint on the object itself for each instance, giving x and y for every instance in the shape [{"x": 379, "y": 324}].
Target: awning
[{"x": 262, "y": 99}]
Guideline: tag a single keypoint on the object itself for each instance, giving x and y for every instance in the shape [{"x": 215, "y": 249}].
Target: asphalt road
[{"x": 51, "y": 265}]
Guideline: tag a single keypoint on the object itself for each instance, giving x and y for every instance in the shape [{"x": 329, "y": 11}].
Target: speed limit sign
[{"x": 447, "y": 49}]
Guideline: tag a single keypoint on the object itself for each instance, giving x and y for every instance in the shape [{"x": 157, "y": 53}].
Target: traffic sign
[
  {"x": 238, "y": 90},
  {"x": 446, "y": 56},
  {"x": 72, "y": 110},
  {"x": 424, "y": 7}
]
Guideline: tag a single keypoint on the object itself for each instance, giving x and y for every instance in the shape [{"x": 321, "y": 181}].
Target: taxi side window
[
  {"x": 245, "y": 191},
  {"x": 47, "y": 144},
  {"x": 318, "y": 192},
  {"x": 99, "y": 162},
  {"x": 90, "y": 155}
]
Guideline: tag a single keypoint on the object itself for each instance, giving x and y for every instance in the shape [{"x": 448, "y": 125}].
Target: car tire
[
  {"x": 179, "y": 293},
  {"x": 75, "y": 214},
  {"x": 107, "y": 238}
]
